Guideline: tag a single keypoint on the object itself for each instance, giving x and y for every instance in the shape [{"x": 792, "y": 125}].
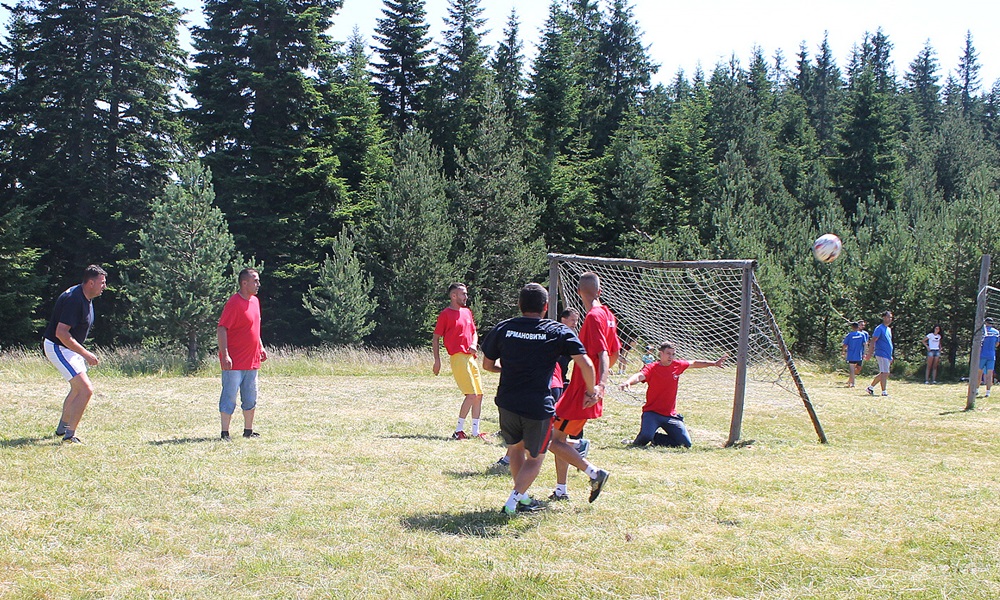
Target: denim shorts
[
  {"x": 244, "y": 382},
  {"x": 987, "y": 364},
  {"x": 933, "y": 353}
]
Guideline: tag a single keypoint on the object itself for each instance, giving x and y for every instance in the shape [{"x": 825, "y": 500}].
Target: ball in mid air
[{"x": 827, "y": 248}]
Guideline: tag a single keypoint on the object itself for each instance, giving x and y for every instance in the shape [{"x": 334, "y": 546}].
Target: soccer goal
[{"x": 708, "y": 308}]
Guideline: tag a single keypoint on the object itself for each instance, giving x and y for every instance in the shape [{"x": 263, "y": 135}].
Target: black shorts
[{"x": 535, "y": 433}]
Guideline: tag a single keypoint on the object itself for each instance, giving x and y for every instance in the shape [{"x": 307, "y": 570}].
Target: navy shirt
[
  {"x": 73, "y": 309},
  {"x": 527, "y": 349}
]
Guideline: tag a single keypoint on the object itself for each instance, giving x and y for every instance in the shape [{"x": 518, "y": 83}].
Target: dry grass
[{"x": 355, "y": 492}]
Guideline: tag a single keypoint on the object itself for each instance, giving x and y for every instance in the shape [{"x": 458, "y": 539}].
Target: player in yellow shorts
[{"x": 456, "y": 326}]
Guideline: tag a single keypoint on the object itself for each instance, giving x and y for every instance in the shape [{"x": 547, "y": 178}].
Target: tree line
[{"x": 362, "y": 177}]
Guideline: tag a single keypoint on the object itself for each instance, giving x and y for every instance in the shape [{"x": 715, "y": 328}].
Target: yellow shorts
[{"x": 466, "y": 371}]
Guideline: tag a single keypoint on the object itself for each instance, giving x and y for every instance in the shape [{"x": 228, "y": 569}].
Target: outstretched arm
[
  {"x": 701, "y": 364},
  {"x": 633, "y": 379}
]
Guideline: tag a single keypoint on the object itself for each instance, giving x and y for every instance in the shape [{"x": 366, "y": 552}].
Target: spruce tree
[
  {"x": 90, "y": 126},
  {"x": 922, "y": 88},
  {"x": 968, "y": 76},
  {"x": 459, "y": 80},
  {"x": 402, "y": 75},
  {"x": 264, "y": 94},
  {"x": 509, "y": 79},
  {"x": 188, "y": 265},
  {"x": 408, "y": 244},
  {"x": 497, "y": 218},
  {"x": 340, "y": 302}
]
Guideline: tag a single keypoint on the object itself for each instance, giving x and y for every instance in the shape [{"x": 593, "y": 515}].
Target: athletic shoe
[
  {"x": 520, "y": 507},
  {"x": 225, "y": 438},
  {"x": 72, "y": 440},
  {"x": 583, "y": 448},
  {"x": 556, "y": 497},
  {"x": 252, "y": 434},
  {"x": 459, "y": 435},
  {"x": 483, "y": 436},
  {"x": 926, "y": 382},
  {"x": 887, "y": 393},
  {"x": 987, "y": 393},
  {"x": 597, "y": 483},
  {"x": 871, "y": 390},
  {"x": 60, "y": 433},
  {"x": 503, "y": 462}
]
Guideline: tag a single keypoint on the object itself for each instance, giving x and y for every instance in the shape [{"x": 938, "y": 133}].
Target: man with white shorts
[
  {"x": 881, "y": 347},
  {"x": 72, "y": 319}
]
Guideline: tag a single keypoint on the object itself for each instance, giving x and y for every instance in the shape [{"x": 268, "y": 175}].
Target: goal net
[
  {"x": 706, "y": 308},
  {"x": 987, "y": 305}
]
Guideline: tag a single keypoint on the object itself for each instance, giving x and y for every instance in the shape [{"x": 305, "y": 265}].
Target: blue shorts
[
  {"x": 933, "y": 353},
  {"x": 244, "y": 382},
  {"x": 987, "y": 364}
]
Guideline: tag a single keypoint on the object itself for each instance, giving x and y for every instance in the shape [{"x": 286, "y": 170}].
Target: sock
[
  {"x": 62, "y": 426},
  {"x": 461, "y": 425},
  {"x": 475, "y": 427},
  {"x": 512, "y": 501},
  {"x": 561, "y": 489},
  {"x": 69, "y": 434},
  {"x": 591, "y": 471},
  {"x": 247, "y": 432}
]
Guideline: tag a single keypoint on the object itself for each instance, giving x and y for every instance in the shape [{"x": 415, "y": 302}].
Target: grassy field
[{"x": 355, "y": 491}]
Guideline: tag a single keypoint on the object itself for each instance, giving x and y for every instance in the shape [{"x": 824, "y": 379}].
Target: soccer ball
[{"x": 827, "y": 247}]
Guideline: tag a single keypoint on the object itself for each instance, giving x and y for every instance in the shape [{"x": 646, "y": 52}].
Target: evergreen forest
[{"x": 362, "y": 176}]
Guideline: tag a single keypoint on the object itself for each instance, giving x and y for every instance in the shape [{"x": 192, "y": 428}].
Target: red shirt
[
  {"x": 661, "y": 396},
  {"x": 241, "y": 318},
  {"x": 457, "y": 328},
  {"x": 599, "y": 333}
]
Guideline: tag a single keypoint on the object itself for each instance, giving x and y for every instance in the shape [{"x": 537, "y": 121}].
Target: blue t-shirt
[
  {"x": 990, "y": 338},
  {"x": 73, "y": 309},
  {"x": 855, "y": 342},
  {"x": 883, "y": 343},
  {"x": 528, "y": 349}
]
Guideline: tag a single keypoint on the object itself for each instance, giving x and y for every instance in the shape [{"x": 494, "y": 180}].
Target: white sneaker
[
  {"x": 887, "y": 393},
  {"x": 926, "y": 382},
  {"x": 871, "y": 390},
  {"x": 987, "y": 393}
]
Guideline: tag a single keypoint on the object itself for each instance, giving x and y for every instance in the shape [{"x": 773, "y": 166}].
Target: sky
[{"x": 684, "y": 35}]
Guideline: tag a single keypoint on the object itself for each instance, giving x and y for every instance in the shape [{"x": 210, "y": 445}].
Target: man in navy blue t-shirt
[
  {"x": 524, "y": 350},
  {"x": 72, "y": 318}
]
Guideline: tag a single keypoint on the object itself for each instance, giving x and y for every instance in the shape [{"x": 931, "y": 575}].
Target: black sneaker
[
  {"x": 60, "y": 433},
  {"x": 556, "y": 497},
  {"x": 252, "y": 434},
  {"x": 225, "y": 438},
  {"x": 72, "y": 440},
  {"x": 597, "y": 484}
]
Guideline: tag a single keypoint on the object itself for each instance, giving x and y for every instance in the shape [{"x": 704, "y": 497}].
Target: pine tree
[
  {"x": 402, "y": 75},
  {"x": 554, "y": 99},
  {"x": 264, "y": 92},
  {"x": 188, "y": 265},
  {"x": 340, "y": 302},
  {"x": 21, "y": 296}
]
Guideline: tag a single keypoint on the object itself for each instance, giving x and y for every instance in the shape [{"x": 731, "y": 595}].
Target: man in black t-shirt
[
  {"x": 524, "y": 350},
  {"x": 68, "y": 328}
]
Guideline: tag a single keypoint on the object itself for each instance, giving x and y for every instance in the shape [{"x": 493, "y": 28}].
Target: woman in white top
[{"x": 933, "y": 344}]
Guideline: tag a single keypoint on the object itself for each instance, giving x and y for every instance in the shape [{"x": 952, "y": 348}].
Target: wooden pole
[
  {"x": 742, "y": 351},
  {"x": 977, "y": 336},
  {"x": 553, "y": 286}
]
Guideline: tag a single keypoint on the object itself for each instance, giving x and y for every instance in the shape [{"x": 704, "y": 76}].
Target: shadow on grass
[
  {"x": 960, "y": 411},
  {"x": 25, "y": 441},
  {"x": 475, "y": 524},
  {"x": 188, "y": 440},
  {"x": 418, "y": 436}
]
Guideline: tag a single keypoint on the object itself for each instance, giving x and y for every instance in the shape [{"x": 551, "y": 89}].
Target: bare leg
[{"x": 80, "y": 392}]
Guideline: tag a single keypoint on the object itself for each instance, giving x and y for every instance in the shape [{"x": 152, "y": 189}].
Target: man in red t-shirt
[
  {"x": 599, "y": 335},
  {"x": 660, "y": 410},
  {"x": 240, "y": 353},
  {"x": 456, "y": 326}
]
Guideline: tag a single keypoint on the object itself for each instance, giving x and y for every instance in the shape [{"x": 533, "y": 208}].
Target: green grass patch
[{"x": 355, "y": 491}]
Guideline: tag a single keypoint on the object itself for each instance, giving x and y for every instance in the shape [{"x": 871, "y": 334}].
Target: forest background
[{"x": 362, "y": 178}]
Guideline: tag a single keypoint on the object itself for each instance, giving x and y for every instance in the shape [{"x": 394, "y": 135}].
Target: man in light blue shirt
[
  {"x": 854, "y": 351},
  {"x": 988, "y": 353},
  {"x": 881, "y": 347}
]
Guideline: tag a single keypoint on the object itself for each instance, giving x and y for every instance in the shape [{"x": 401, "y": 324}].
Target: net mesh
[
  {"x": 992, "y": 303},
  {"x": 695, "y": 307}
]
